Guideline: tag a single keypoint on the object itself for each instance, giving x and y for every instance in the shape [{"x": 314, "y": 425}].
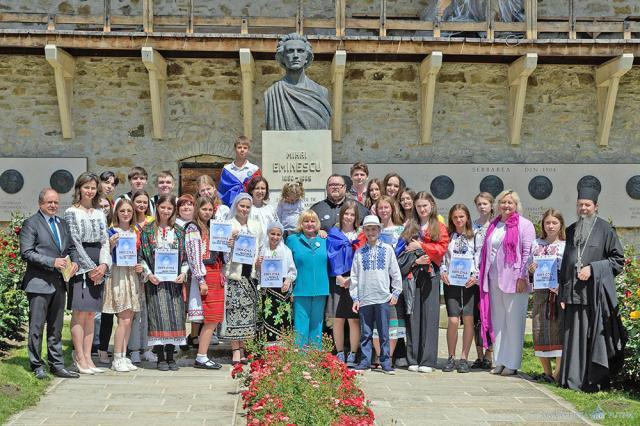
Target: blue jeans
[
  {"x": 374, "y": 316},
  {"x": 308, "y": 316}
]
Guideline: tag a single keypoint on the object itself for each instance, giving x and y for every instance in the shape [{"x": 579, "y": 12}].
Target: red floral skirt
[{"x": 213, "y": 301}]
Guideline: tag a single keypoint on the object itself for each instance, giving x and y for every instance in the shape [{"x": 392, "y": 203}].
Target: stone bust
[{"x": 296, "y": 102}]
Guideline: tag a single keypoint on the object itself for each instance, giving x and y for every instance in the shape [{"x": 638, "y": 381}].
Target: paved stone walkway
[{"x": 197, "y": 397}]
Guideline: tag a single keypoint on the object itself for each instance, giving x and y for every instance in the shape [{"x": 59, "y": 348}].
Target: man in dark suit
[{"x": 45, "y": 242}]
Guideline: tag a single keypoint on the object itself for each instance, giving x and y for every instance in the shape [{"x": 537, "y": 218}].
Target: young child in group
[
  {"x": 374, "y": 270},
  {"x": 290, "y": 206},
  {"x": 236, "y": 175}
]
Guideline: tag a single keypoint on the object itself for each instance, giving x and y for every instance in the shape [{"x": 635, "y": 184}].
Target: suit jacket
[{"x": 39, "y": 249}]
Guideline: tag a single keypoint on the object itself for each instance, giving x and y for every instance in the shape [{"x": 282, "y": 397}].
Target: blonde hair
[
  {"x": 305, "y": 215},
  {"x": 292, "y": 188},
  {"x": 242, "y": 140},
  {"x": 514, "y": 195},
  {"x": 208, "y": 180}
]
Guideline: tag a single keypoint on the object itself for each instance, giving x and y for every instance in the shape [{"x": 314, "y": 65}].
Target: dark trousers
[
  {"x": 423, "y": 324},
  {"x": 47, "y": 308},
  {"x": 106, "y": 326},
  {"x": 374, "y": 316}
]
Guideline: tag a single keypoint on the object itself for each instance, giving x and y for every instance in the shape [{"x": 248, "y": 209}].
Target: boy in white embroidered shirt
[{"x": 374, "y": 270}]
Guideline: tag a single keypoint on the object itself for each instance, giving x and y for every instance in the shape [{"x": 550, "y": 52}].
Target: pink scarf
[{"x": 509, "y": 246}]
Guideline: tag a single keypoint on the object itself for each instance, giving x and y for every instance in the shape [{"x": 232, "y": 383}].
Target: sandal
[
  {"x": 234, "y": 362},
  {"x": 477, "y": 364}
]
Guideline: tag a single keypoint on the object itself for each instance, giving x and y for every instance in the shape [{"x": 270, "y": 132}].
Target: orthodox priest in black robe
[{"x": 594, "y": 336}]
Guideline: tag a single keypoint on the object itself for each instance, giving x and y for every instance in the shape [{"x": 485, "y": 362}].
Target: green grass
[
  {"x": 19, "y": 389},
  {"x": 618, "y": 407}
]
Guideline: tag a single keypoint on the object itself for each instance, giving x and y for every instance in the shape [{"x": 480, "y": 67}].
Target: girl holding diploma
[
  {"x": 460, "y": 300},
  {"x": 122, "y": 288},
  {"x": 165, "y": 303},
  {"x": 241, "y": 294},
  {"x": 276, "y": 305},
  {"x": 547, "y": 328},
  {"x": 206, "y": 279}
]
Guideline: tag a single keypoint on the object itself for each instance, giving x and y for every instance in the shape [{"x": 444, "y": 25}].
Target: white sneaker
[
  {"x": 120, "y": 365},
  {"x": 135, "y": 357},
  {"x": 129, "y": 364},
  {"x": 425, "y": 369},
  {"x": 150, "y": 356},
  {"x": 414, "y": 368}
]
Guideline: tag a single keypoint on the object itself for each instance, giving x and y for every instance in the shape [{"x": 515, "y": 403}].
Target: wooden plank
[
  {"x": 248, "y": 71},
  {"x": 190, "y": 17},
  {"x": 338, "y": 66},
  {"x": 429, "y": 69},
  {"x": 437, "y": 19},
  {"x": 607, "y": 81},
  {"x": 600, "y": 27},
  {"x": 382, "y": 29},
  {"x": 157, "y": 67},
  {"x": 531, "y": 11},
  {"x": 300, "y": 17},
  {"x": 394, "y": 47},
  {"x": 463, "y": 26},
  {"x": 320, "y": 23},
  {"x": 365, "y": 24},
  {"x": 126, "y": 20},
  {"x": 147, "y": 15},
  {"x": 518, "y": 76},
  {"x": 490, "y": 20},
  {"x": 244, "y": 26},
  {"x": 341, "y": 18},
  {"x": 396, "y": 24},
  {"x": 27, "y": 18},
  {"x": 572, "y": 20},
  {"x": 64, "y": 70},
  {"x": 510, "y": 26},
  {"x": 106, "y": 26},
  {"x": 553, "y": 27}
]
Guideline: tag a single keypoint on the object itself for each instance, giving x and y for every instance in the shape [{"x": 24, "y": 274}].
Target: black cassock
[{"x": 594, "y": 336}]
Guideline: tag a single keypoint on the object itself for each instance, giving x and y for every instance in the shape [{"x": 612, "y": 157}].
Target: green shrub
[
  {"x": 14, "y": 309},
  {"x": 628, "y": 287}
]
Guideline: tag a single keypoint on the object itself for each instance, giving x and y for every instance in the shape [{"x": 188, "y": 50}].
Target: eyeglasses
[{"x": 335, "y": 185}]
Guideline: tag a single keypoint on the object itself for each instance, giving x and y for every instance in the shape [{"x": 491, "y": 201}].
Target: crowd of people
[{"x": 365, "y": 264}]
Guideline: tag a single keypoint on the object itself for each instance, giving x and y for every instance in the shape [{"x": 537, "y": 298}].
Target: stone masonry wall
[{"x": 112, "y": 114}]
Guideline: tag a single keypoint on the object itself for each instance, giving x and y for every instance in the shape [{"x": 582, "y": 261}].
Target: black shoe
[
  {"x": 451, "y": 365},
  {"x": 401, "y": 363},
  {"x": 486, "y": 364},
  {"x": 172, "y": 365},
  {"x": 40, "y": 373},
  {"x": 65, "y": 374},
  {"x": 463, "y": 366},
  {"x": 163, "y": 366},
  {"x": 207, "y": 365},
  {"x": 477, "y": 364}
]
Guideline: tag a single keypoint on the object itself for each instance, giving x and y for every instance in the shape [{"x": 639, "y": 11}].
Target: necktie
[{"x": 56, "y": 237}]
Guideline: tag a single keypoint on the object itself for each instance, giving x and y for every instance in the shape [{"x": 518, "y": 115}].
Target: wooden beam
[
  {"x": 64, "y": 68},
  {"x": 437, "y": 19},
  {"x": 382, "y": 29},
  {"x": 518, "y": 76},
  {"x": 248, "y": 69},
  {"x": 106, "y": 26},
  {"x": 190, "y": 17},
  {"x": 147, "y": 16},
  {"x": 300, "y": 17},
  {"x": 490, "y": 20},
  {"x": 607, "y": 80},
  {"x": 572, "y": 20},
  {"x": 429, "y": 69},
  {"x": 338, "y": 66},
  {"x": 157, "y": 67},
  {"x": 341, "y": 14},
  {"x": 531, "y": 12}
]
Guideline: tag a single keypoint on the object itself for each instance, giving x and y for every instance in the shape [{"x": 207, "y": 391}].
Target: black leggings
[{"x": 106, "y": 325}]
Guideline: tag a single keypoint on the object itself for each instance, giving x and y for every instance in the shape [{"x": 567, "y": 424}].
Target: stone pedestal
[{"x": 297, "y": 155}]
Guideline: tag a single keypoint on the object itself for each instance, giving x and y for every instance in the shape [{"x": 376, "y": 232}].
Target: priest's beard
[{"x": 583, "y": 229}]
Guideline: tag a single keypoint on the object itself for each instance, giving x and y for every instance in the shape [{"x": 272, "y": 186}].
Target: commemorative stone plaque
[
  {"x": 61, "y": 181},
  {"x": 442, "y": 187},
  {"x": 24, "y": 178},
  {"x": 633, "y": 187},
  {"x": 540, "y": 187},
  {"x": 11, "y": 181},
  {"x": 491, "y": 184}
]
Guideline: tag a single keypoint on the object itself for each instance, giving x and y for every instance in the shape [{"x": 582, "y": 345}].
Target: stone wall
[
  {"x": 312, "y": 9},
  {"x": 112, "y": 114}
]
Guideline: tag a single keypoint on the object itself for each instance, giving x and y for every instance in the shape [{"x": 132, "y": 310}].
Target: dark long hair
[{"x": 82, "y": 179}]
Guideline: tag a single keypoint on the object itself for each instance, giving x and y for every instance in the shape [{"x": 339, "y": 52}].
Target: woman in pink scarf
[{"x": 504, "y": 288}]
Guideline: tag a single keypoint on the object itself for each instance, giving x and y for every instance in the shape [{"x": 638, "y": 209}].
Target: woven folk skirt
[
  {"x": 167, "y": 313},
  {"x": 547, "y": 327}
]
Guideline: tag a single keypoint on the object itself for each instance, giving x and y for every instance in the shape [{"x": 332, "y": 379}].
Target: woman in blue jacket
[{"x": 311, "y": 287}]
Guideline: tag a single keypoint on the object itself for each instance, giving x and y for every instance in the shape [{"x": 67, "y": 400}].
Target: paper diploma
[
  {"x": 546, "y": 273},
  {"x": 460, "y": 268},
  {"x": 166, "y": 264},
  {"x": 126, "y": 254},
  {"x": 271, "y": 273},
  {"x": 244, "y": 249},
  {"x": 219, "y": 234}
]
